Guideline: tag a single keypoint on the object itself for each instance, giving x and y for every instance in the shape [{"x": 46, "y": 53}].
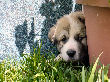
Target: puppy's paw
[{"x": 58, "y": 58}]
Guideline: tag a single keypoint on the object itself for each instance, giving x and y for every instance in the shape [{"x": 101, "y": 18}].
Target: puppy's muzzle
[{"x": 71, "y": 53}]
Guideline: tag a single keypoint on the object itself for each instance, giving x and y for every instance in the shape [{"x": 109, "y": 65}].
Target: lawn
[{"x": 38, "y": 68}]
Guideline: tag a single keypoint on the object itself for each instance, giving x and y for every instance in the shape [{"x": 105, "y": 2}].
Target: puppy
[{"x": 69, "y": 34}]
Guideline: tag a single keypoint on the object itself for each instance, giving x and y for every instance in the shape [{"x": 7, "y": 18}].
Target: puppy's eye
[
  {"x": 78, "y": 38},
  {"x": 64, "y": 39}
]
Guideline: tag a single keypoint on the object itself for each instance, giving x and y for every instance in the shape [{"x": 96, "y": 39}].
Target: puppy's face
[{"x": 69, "y": 36}]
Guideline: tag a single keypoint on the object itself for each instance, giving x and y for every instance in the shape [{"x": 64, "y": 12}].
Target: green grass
[{"x": 37, "y": 68}]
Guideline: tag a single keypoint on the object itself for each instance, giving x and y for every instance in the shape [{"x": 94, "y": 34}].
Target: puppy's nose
[{"x": 71, "y": 53}]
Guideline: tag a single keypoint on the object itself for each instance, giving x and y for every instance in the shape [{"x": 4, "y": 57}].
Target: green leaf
[
  {"x": 91, "y": 78},
  {"x": 83, "y": 74},
  {"x": 53, "y": 67},
  {"x": 99, "y": 75},
  {"x": 105, "y": 73},
  {"x": 102, "y": 75},
  {"x": 39, "y": 75}
]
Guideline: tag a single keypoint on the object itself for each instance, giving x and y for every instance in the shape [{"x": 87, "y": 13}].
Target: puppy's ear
[
  {"x": 81, "y": 18},
  {"x": 51, "y": 34}
]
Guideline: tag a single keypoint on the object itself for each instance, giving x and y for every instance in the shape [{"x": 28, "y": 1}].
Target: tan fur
[
  {"x": 68, "y": 26},
  {"x": 65, "y": 24},
  {"x": 51, "y": 33}
]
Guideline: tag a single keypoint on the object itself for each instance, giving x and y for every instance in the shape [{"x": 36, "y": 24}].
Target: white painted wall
[{"x": 12, "y": 13}]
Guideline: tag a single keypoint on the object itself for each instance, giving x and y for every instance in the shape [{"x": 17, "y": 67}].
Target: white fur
[
  {"x": 74, "y": 28},
  {"x": 71, "y": 44}
]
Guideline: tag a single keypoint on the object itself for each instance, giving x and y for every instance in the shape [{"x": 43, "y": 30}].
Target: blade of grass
[
  {"x": 39, "y": 75},
  {"x": 34, "y": 57},
  {"x": 91, "y": 78},
  {"x": 39, "y": 48},
  {"x": 105, "y": 73},
  {"x": 99, "y": 75},
  {"x": 53, "y": 67},
  {"x": 83, "y": 74}
]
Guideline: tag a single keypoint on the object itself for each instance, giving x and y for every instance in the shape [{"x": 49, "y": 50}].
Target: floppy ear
[{"x": 51, "y": 34}]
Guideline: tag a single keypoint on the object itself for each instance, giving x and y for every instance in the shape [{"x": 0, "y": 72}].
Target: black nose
[{"x": 71, "y": 53}]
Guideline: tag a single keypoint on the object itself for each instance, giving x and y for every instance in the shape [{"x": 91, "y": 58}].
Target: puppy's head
[{"x": 70, "y": 37}]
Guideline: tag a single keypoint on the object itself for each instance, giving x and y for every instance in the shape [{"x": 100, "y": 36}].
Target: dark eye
[
  {"x": 78, "y": 38},
  {"x": 64, "y": 39}
]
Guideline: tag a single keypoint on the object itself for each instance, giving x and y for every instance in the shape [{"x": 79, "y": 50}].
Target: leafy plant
[{"x": 40, "y": 68}]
